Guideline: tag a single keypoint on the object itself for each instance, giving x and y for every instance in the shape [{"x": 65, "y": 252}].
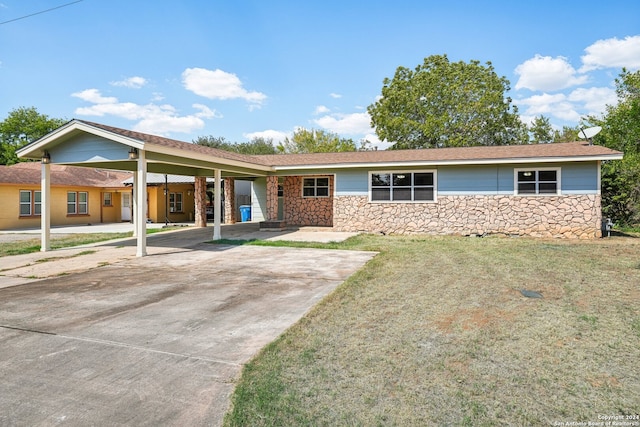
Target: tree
[
  {"x": 621, "y": 131},
  {"x": 255, "y": 146},
  {"x": 567, "y": 134},
  {"x": 541, "y": 130},
  {"x": 445, "y": 104},
  {"x": 315, "y": 141},
  {"x": 22, "y": 126}
]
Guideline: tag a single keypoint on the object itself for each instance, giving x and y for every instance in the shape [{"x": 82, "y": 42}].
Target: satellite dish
[{"x": 589, "y": 133}]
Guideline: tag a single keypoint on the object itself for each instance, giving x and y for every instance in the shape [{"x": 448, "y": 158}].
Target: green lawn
[{"x": 435, "y": 331}]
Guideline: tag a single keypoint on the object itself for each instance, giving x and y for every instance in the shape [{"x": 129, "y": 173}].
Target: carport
[{"x": 88, "y": 144}]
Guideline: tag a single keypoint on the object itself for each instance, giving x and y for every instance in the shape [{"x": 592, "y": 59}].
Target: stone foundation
[{"x": 577, "y": 216}]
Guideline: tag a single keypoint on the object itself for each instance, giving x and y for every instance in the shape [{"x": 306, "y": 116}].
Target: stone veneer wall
[
  {"x": 306, "y": 211},
  {"x": 573, "y": 216}
]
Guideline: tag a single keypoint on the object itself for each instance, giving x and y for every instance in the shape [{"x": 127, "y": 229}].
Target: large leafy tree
[
  {"x": 315, "y": 141},
  {"x": 255, "y": 146},
  {"x": 621, "y": 131},
  {"x": 22, "y": 126},
  {"x": 446, "y": 104}
]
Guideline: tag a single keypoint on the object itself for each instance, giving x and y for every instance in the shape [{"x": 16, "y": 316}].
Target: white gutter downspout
[
  {"x": 140, "y": 208},
  {"x": 217, "y": 199},
  {"x": 45, "y": 208}
]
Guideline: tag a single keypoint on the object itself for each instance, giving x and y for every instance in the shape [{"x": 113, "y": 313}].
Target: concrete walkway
[
  {"x": 157, "y": 340},
  {"x": 19, "y": 269}
]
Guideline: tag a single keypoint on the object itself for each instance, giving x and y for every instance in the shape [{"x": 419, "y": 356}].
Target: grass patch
[
  {"x": 434, "y": 331},
  {"x": 88, "y": 252},
  {"x": 70, "y": 240}
]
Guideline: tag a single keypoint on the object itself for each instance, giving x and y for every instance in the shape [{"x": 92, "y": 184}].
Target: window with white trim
[
  {"x": 419, "y": 186},
  {"x": 537, "y": 181},
  {"x": 77, "y": 203},
  {"x": 175, "y": 202},
  {"x": 30, "y": 203},
  {"x": 315, "y": 187}
]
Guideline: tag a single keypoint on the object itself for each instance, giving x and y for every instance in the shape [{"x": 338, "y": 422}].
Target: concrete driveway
[{"x": 158, "y": 340}]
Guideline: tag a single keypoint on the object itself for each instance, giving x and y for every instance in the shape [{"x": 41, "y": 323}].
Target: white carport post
[
  {"x": 217, "y": 199},
  {"x": 45, "y": 208},
  {"x": 140, "y": 204}
]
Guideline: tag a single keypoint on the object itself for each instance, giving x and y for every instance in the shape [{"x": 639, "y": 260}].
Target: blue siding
[
  {"x": 352, "y": 182},
  {"x": 461, "y": 180},
  {"x": 88, "y": 147},
  {"x": 580, "y": 178},
  {"x": 576, "y": 178}
]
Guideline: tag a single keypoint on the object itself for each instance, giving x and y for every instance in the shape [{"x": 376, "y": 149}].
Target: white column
[
  {"x": 45, "y": 208},
  {"x": 140, "y": 197},
  {"x": 216, "y": 204}
]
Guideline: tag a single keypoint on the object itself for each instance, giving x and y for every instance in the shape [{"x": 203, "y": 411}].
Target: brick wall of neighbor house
[
  {"x": 306, "y": 211},
  {"x": 571, "y": 216}
]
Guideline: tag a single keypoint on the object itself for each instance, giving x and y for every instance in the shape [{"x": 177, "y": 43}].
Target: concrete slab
[{"x": 152, "y": 340}]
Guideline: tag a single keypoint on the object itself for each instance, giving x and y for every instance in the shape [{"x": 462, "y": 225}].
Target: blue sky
[{"x": 244, "y": 68}]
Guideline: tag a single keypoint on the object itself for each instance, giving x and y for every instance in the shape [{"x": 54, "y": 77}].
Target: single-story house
[
  {"x": 79, "y": 195},
  {"x": 547, "y": 190}
]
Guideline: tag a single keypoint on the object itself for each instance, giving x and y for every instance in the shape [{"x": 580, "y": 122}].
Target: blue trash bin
[{"x": 245, "y": 213}]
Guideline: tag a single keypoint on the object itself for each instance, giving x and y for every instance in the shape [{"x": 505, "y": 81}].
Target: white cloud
[
  {"x": 613, "y": 53},
  {"x": 594, "y": 100},
  {"x": 350, "y": 124},
  {"x": 135, "y": 82},
  {"x": 545, "y": 73},
  {"x": 94, "y": 96},
  {"x": 275, "y": 135},
  {"x": 152, "y": 118},
  {"x": 218, "y": 84},
  {"x": 335, "y": 95},
  {"x": 556, "y": 105},
  {"x": 321, "y": 109}
]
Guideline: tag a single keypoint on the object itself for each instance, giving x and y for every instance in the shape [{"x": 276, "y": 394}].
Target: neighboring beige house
[{"x": 80, "y": 196}]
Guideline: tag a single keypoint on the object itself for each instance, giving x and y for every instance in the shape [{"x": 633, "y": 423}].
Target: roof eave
[{"x": 458, "y": 162}]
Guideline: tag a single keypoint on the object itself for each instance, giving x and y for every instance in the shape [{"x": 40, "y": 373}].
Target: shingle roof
[
  {"x": 572, "y": 150},
  {"x": 172, "y": 143},
  {"x": 452, "y": 154},
  {"x": 70, "y": 176}
]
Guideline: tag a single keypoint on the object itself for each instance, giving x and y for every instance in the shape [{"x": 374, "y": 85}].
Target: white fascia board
[
  {"x": 453, "y": 162},
  {"x": 176, "y": 152}
]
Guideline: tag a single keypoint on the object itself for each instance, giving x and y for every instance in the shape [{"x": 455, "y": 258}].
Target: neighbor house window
[
  {"x": 315, "y": 187},
  {"x": 537, "y": 181},
  {"x": 403, "y": 186},
  {"x": 175, "y": 202},
  {"x": 107, "y": 199},
  {"x": 30, "y": 203},
  {"x": 77, "y": 203}
]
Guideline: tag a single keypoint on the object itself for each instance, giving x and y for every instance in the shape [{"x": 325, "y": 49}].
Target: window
[
  {"x": 106, "y": 199},
  {"x": 77, "y": 203},
  {"x": 403, "y": 187},
  {"x": 175, "y": 202},
  {"x": 537, "y": 181},
  {"x": 30, "y": 203},
  {"x": 315, "y": 187}
]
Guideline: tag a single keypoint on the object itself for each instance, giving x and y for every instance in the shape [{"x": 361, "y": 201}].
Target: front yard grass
[{"x": 435, "y": 331}]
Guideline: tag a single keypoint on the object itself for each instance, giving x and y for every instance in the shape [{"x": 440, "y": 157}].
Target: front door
[{"x": 126, "y": 206}]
